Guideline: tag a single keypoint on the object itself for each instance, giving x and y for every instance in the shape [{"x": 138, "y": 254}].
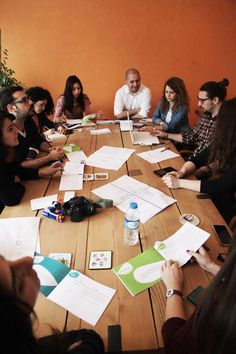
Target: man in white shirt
[{"x": 133, "y": 97}]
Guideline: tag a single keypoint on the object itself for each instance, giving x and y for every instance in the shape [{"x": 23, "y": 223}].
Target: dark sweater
[
  {"x": 11, "y": 192},
  {"x": 222, "y": 190}
]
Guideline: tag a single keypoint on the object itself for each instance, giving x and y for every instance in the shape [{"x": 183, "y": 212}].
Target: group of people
[{"x": 25, "y": 153}]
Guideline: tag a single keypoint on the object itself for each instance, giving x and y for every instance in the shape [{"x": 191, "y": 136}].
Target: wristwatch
[{"x": 171, "y": 292}]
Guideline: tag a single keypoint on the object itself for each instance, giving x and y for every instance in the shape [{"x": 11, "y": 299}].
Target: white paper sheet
[
  {"x": 158, "y": 155},
  {"x": 77, "y": 156},
  {"x": 56, "y": 136},
  {"x": 72, "y": 176},
  {"x": 18, "y": 237},
  {"x": 124, "y": 125},
  {"x": 100, "y": 131},
  {"x": 82, "y": 296},
  {"x": 127, "y": 189},
  {"x": 188, "y": 237},
  {"x": 109, "y": 157},
  {"x": 44, "y": 202}
]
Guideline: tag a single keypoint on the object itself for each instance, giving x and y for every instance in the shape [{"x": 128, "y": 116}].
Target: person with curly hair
[{"x": 171, "y": 114}]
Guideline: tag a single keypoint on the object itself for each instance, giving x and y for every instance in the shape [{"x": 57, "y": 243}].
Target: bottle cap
[{"x": 133, "y": 205}]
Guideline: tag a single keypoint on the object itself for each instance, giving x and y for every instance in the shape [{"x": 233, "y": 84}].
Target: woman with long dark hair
[
  {"x": 73, "y": 104},
  {"x": 19, "y": 286},
  {"x": 220, "y": 160},
  {"x": 211, "y": 329},
  {"x": 12, "y": 191},
  {"x": 43, "y": 106}
]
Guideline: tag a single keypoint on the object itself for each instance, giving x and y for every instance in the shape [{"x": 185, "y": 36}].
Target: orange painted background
[{"x": 98, "y": 40}]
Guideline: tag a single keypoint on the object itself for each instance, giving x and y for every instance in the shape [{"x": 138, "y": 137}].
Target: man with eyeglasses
[
  {"x": 133, "y": 97},
  {"x": 31, "y": 144},
  {"x": 210, "y": 97}
]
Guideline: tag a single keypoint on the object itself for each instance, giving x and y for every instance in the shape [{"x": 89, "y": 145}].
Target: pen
[
  {"x": 45, "y": 127},
  {"x": 167, "y": 148}
]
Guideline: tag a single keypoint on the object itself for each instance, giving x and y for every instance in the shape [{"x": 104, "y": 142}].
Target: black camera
[{"x": 78, "y": 207}]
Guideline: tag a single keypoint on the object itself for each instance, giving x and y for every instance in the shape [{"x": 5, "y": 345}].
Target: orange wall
[{"x": 98, "y": 40}]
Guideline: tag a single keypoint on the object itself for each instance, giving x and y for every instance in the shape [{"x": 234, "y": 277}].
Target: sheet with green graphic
[{"x": 141, "y": 272}]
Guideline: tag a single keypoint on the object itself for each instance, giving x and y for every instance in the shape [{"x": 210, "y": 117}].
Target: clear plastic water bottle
[{"x": 131, "y": 224}]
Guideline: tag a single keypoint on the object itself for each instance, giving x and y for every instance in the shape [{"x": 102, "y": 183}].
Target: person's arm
[
  {"x": 132, "y": 112},
  {"x": 54, "y": 155},
  {"x": 87, "y": 106},
  {"x": 59, "y": 110},
  {"x": 175, "y": 183},
  {"x": 172, "y": 276},
  {"x": 205, "y": 261},
  {"x": 175, "y": 137},
  {"x": 119, "y": 107},
  {"x": 156, "y": 119},
  {"x": 145, "y": 103}
]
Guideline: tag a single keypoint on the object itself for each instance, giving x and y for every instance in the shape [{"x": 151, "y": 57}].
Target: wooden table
[{"x": 141, "y": 317}]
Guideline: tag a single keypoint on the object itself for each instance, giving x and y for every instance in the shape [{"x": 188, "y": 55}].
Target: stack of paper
[
  {"x": 127, "y": 189},
  {"x": 72, "y": 176},
  {"x": 109, "y": 157},
  {"x": 100, "y": 131}
]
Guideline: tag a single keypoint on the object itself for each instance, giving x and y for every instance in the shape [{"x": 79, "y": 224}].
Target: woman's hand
[
  {"x": 61, "y": 129},
  {"x": 172, "y": 275},
  {"x": 99, "y": 115},
  {"x": 171, "y": 181},
  {"x": 205, "y": 261},
  {"x": 48, "y": 171},
  {"x": 147, "y": 128}
]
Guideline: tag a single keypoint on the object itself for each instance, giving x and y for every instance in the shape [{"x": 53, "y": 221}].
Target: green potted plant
[{"x": 6, "y": 74}]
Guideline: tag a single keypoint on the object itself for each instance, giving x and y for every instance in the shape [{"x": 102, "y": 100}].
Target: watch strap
[{"x": 171, "y": 292}]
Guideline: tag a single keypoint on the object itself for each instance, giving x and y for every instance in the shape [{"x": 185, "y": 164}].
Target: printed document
[
  {"x": 125, "y": 190},
  {"x": 18, "y": 237},
  {"x": 44, "y": 202},
  {"x": 158, "y": 155},
  {"x": 82, "y": 296},
  {"x": 72, "y": 176},
  {"x": 108, "y": 157}
]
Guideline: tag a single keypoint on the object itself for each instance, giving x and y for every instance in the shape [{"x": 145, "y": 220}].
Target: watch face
[{"x": 169, "y": 292}]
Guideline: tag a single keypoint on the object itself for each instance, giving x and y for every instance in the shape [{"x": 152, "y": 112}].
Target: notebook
[{"x": 141, "y": 138}]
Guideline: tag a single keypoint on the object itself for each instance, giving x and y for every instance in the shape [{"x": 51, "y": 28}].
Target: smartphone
[
  {"x": 203, "y": 196},
  {"x": 195, "y": 295},
  {"x": 222, "y": 235},
  {"x": 161, "y": 172}
]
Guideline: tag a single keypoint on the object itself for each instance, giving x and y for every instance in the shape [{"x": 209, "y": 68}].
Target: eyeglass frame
[
  {"x": 202, "y": 100},
  {"x": 24, "y": 99}
]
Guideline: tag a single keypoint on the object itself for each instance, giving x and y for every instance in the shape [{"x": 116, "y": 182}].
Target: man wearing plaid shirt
[{"x": 210, "y": 98}]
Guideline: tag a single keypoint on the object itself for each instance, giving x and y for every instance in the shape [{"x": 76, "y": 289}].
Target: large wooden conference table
[{"x": 140, "y": 317}]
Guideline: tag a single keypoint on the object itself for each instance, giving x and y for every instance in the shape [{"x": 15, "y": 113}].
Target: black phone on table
[
  {"x": 222, "y": 234},
  {"x": 162, "y": 171},
  {"x": 195, "y": 295}
]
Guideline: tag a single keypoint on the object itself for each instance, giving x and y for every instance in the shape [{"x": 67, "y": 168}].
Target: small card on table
[{"x": 100, "y": 260}]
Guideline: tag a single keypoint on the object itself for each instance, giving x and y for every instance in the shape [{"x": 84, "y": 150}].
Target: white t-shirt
[{"x": 124, "y": 100}]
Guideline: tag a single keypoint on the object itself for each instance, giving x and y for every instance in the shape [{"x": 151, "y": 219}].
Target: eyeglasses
[
  {"x": 203, "y": 99},
  {"x": 24, "y": 99}
]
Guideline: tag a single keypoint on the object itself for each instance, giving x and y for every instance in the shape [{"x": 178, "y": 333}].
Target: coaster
[
  {"x": 100, "y": 260},
  {"x": 193, "y": 219}
]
